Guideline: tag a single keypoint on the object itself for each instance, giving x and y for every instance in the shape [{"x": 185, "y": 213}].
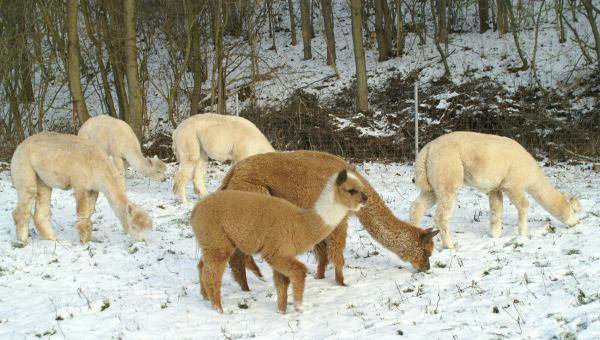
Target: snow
[{"x": 539, "y": 287}]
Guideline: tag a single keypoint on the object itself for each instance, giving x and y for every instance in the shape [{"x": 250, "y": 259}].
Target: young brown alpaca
[
  {"x": 298, "y": 177},
  {"x": 52, "y": 160},
  {"x": 492, "y": 164},
  {"x": 117, "y": 139},
  {"x": 275, "y": 228},
  {"x": 208, "y": 135}
]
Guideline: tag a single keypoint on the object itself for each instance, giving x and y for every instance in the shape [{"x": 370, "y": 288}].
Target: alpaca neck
[
  {"x": 139, "y": 162},
  {"x": 552, "y": 200},
  {"x": 328, "y": 209},
  {"x": 392, "y": 233}
]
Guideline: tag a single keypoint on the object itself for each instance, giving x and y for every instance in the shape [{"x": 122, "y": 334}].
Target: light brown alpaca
[
  {"x": 52, "y": 160},
  {"x": 118, "y": 140},
  {"x": 215, "y": 136},
  {"x": 298, "y": 177},
  {"x": 275, "y": 228},
  {"x": 492, "y": 164}
]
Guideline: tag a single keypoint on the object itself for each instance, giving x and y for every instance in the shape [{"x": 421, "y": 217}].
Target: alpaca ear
[
  {"x": 342, "y": 176},
  {"x": 430, "y": 234}
]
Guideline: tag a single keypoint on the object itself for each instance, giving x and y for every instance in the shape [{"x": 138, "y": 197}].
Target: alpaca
[
  {"x": 216, "y": 136},
  {"x": 492, "y": 164},
  {"x": 52, "y": 160},
  {"x": 298, "y": 177},
  {"x": 117, "y": 139},
  {"x": 275, "y": 228}
]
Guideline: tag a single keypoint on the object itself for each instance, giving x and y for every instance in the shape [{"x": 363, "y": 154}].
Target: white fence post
[{"x": 416, "y": 118}]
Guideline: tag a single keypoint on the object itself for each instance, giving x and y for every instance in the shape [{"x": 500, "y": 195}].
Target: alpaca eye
[{"x": 352, "y": 192}]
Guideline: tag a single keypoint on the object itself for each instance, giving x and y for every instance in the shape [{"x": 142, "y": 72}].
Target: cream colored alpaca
[
  {"x": 492, "y": 164},
  {"x": 118, "y": 140},
  {"x": 213, "y": 136},
  {"x": 275, "y": 228},
  {"x": 52, "y": 160}
]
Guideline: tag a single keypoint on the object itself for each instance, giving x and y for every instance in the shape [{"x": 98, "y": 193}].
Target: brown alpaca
[
  {"x": 278, "y": 230},
  {"x": 52, "y": 160},
  {"x": 298, "y": 177}
]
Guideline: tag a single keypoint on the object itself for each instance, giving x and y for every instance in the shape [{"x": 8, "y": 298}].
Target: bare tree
[
  {"x": 362, "y": 97},
  {"x": 292, "y": 22},
  {"x": 483, "y": 15},
  {"x": 329, "y": 35},
  {"x": 73, "y": 69},
  {"x": 306, "y": 28},
  {"x": 589, "y": 13},
  {"x": 133, "y": 85}
]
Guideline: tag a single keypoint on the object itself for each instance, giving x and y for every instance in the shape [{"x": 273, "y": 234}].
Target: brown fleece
[{"x": 298, "y": 177}]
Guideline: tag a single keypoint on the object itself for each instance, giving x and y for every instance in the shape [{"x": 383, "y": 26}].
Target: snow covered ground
[{"x": 540, "y": 287}]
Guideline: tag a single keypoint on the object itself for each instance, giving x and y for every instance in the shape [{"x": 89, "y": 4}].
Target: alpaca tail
[{"x": 420, "y": 178}]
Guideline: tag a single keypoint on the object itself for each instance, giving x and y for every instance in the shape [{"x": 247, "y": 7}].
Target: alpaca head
[
  {"x": 421, "y": 249},
  {"x": 137, "y": 221},
  {"x": 157, "y": 169},
  {"x": 349, "y": 191},
  {"x": 571, "y": 210}
]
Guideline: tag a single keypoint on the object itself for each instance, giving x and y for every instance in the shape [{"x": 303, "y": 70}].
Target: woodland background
[{"x": 63, "y": 61}]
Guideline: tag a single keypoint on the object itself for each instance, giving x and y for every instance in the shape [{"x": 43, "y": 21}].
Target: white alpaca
[
  {"x": 492, "y": 164},
  {"x": 52, "y": 160},
  {"x": 216, "y": 136},
  {"x": 118, "y": 140}
]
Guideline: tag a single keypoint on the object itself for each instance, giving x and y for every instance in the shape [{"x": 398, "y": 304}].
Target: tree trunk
[
  {"x": 589, "y": 13},
  {"x": 131, "y": 70},
  {"x": 329, "y": 35},
  {"x": 196, "y": 61},
  {"x": 269, "y": 4},
  {"x": 442, "y": 26},
  {"x": 501, "y": 16},
  {"x": 483, "y": 15},
  {"x": 436, "y": 35},
  {"x": 362, "y": 99},
  {"x": 219, "y": 56},
  {"x": 292, "y": 22},
  {"x": 73, "y": 69},
  {"x": 382, "y": 47},
  {"x": 111, "y": 24},
  {"x": 515, "y": 33},
  {"x": 388, "y": 25},
  {"x": 306, "y": 33},
  {"x": 400, "y": 36}
]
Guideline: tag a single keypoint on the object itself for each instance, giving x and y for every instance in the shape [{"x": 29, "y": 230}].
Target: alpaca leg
[
  {"x": 496, "y": 212},
  {"x": 93, "y": 198},
  {"x": 22, "y": 212},
  {"x": 182, "y": 176},
  {"x": 202, "y": 289},
  {"x": 212, "y": 275},
  {"x": 445, "y": 207},
  {"x": 320, "y": 251},
  {"x": 83, "y": 224},
  {"x": 238, "y": 269},
  {"x": 336, "y": 242},
  {"x": 420, "y": 205},
  {"x": 518, "y": 198},
  {"x": 119, "y": 164},
  {"x": 200, "y": 175},
  {"x": 296, "y": 272},
  {"x": 281, "y": 286},
  {"x": 42, "y": 211}
]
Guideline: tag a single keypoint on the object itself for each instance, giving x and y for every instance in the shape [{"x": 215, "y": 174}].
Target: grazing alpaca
[
  {"x": 216, "y": 136},
  {"x": 298, "y": 177},
  {"x": 275, "y": 228},
  {"x": 117, "y": 139},
  {"x": 52, "y": 160},
  {"x": 492, "y": 164}
]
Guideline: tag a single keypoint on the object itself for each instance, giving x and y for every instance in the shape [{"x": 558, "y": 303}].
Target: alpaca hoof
[
  {"x": 298, "y": 306},
  {"x": 281, "y": 311},
  {"x": 496, "y": 232},
  {"x": 319, "y": 276}
]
